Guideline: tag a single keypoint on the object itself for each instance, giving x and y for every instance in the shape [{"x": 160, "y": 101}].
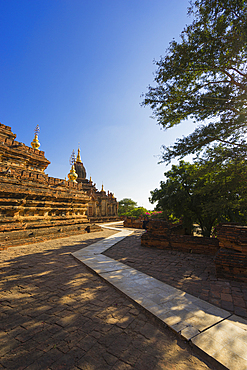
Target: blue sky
[{"x": 78, "y": 69}]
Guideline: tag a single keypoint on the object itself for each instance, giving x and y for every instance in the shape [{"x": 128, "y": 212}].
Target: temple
[
  {"x": 35, "y": 206},
  {"x": 101, "y": 205}
]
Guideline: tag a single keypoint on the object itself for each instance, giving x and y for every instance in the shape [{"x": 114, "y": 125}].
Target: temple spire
[
  {"x": 35, "y": 143},
  {"x": 72, "y": 174},
  {"x": 78, "y": 159}
]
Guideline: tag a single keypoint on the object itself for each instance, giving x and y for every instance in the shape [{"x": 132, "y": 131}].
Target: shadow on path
[
  {"x": 56, "y": 314},
  {"x": 192, "y": 273}
]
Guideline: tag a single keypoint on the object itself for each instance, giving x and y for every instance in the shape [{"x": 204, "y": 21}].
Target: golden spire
[
  {"x": 78, "y": 159},
  {"x": 90, "y": 180},
  {"x": 72, "y": 174},
  {"x": 102, "y": 189},
  {"x": 35, "y": 143}
]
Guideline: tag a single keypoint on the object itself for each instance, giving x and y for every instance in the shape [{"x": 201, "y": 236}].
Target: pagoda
[{"x": 34, "y": 206}]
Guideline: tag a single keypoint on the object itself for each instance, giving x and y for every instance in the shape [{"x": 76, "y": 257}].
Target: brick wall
[
  {"x": 231, "y": 259},
  {"x": 229, "y": 248},
  {"x": 162, "y": 235}
]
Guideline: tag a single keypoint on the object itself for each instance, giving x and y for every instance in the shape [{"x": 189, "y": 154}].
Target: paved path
[
  {"x": 215, "y": 331},
  {"x": 56, "y": 314},
  {"x": 192, "y": 273}
]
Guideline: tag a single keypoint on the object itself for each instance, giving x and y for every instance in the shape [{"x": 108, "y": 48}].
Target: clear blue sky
[{"x": 77, "y": 68}]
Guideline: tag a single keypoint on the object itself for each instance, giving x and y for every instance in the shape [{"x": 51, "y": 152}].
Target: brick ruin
[
  {"x": 36, "y": 207},
  {"x": 135, "y": 223},
  {"x": 231, "y": 259},
  {"x": 163, "y": 235},
  {"x": 229, "y": 248}
]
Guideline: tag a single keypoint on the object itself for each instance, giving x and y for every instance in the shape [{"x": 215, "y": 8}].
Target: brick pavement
[
  {"x": 56, "y": 314},
  {"x": 192, "y": 273}
]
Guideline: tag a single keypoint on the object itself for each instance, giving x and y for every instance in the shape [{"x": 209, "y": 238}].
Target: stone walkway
[
  {"x": 218, "y": 333},
  {"x": 56, "y": 314},
  {"x": 192, "y": 273}
]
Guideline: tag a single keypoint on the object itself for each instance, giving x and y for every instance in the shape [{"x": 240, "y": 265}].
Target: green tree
[
  {"x": 205, "y": 192},
  {"x": 125, "y": 206},
  {"x": 139, "y": 211},
  {"x": 204, "y": 77}
]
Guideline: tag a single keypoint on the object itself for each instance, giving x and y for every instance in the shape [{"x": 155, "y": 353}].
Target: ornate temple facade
[
  {"x": 35, "y": 206},
  {"x": 102, "y": 205}
]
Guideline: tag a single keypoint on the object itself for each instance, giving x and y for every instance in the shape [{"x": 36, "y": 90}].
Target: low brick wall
[
  {"x": 194, "y": 244},
  {"x": 229, "y": 248},
  {"x": 231, "y": 265},
  {"x": 231, "y": 260},
  {"x": 233, "y": 236},
  {"x": 132, "y": 222},
  {"x": 162, "y": 235},
  {"x": 40, "y": 234}
]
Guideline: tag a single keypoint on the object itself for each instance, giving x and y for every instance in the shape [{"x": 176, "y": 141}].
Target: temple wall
[
  {"x": 43, "y": 209},
  {"x": 34, "y": 206},
  {"x": 102, "y": 207}
]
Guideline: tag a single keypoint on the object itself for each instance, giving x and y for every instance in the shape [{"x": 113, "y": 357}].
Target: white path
[{"x": 215, "y": 331}]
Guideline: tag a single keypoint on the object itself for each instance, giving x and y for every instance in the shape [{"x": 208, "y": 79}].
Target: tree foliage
[
  {"x": 204, "y": 77},
  {"x": 138, "y": 211},
  {"x": 128, "y": 207},
  {"x": 204, "y": 192},
  {"x": 125, "y": 206}
]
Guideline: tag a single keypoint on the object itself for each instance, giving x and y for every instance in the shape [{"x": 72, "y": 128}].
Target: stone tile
[
  {"x": 202, "y": 320},
  {"x": 189, "y": 332},
  {"x": 226, "y": 297},
  {"x": 241, "y": 311},
  {"x": 238, "y": 321},
  {"x": 182, "y": 317},
  {"x": 230, "y": 359},
  {"x": 226, "y": 355},
  {"x": 227, "y": 305},
  {"x": 102, "y": 264},
  {"x": 226, "y": 342},
  {"x": 207, "y": 344}
]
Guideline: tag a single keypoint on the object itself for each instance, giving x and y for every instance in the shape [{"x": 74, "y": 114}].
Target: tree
[
  {"x": 204, "y": 192},
  {"x": 139, "y": 211},
  {"x": 125, "y": 206},
  {"x": 204, "y": 77}
]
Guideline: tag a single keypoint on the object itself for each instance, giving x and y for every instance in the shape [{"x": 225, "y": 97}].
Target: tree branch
[
  {"x": 241, "y": 73},
  {"x": 233, "y": 81}
]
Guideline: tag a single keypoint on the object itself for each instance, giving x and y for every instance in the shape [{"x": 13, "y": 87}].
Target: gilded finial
[
  {"x": 35, "y": 143},
  {"x": 90, "y": 180},
  {"x": 102, "y": 189},
  {"x": 72, "y": 174},
  {"x": 78, "y": 159}
]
